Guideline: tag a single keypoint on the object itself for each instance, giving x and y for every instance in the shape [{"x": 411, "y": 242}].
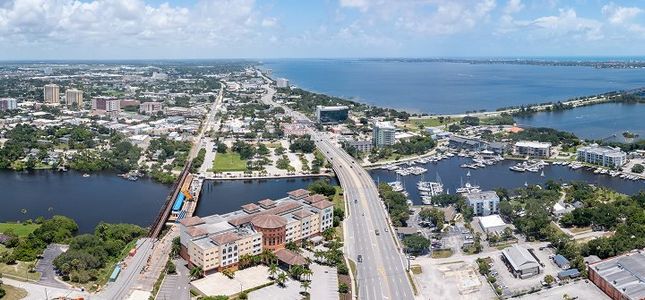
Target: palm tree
[
  {"x": 196, "y": 272},
  {"x": 268, "y": 256},
  {"x": 307, "y": 273},
  {"x": 296, "y": 271},
  {"x": 305, "y": 285},
  {"x": 273, "y": 270},
  {"x": 329, "y": 233},
  {"x": 319, "y": 255},
  {"x": 282, "y": 278},
  {"x": 245, "y": 261}
]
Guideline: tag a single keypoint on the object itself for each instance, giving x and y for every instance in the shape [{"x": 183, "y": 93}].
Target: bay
[{"x": 442, "y": 88}]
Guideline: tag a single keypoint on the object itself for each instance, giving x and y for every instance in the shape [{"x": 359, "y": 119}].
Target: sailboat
[
  {"x": 542, "y": 174},
  {"x": 468, "y": 174}
]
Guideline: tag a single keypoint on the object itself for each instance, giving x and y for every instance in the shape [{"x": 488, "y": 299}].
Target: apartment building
[
  {"x": 383, "y": 134},
  {"x": 532, "y": 149},
  {"x": 74, "y": 97},
  {"x": 483, "y": 203},
  {"x": 604, "y": 156},
  {"x": 217, "y": 242},
  {"x": 150, "y": 108},
  {"x": 8, "y": 104},
  {"x": 106, "y": 105},
  {"x": 51, "y": 94}
]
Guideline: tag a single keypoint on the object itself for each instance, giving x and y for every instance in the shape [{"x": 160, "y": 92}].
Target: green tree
[
  {"x": 548, "y": 279},
  {"x": 416, "y": 243},
  {"x": 638, "y": 168}
]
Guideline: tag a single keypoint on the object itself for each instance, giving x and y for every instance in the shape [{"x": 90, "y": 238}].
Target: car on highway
[
  {"x": 355, "y": 200},
  {"x": 377, "y": 232},
  {"x": 360, "y": 258}
]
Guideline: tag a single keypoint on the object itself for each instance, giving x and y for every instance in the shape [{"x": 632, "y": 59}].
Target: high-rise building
[
  {"x": 106, "y": 105},
  {"x": 331, "y": 114},
  {"x": 74, "y": 97},
  {"x": 383, "y": 134},
  {"x": 282, "y": 83},
  {"x": 51, "y": 94},
  {"x": 8, "y": 104}
]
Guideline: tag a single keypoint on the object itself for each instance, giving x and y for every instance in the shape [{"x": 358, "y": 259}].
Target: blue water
[
  {"x": 601, "y": 121},
  {"x": 437, "y": 87}
]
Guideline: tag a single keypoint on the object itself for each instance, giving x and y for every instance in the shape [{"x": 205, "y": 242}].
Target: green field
[
  {"x": 228, "y": 162},
  {"x": 430, "y": 122},
  {"x": 20, "y": 229}
]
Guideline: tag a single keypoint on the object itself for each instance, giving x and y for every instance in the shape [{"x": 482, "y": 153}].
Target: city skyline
[{"x": 201, "y": 29}]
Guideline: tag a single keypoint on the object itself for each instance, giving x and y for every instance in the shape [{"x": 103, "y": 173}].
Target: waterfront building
[
  {"x": 521, "y": 262},
  {"x": 460, "y": 142},
  {"x": 532, "y": 149},
  {"x": 331, "y": 114},
  {"x": 150, "y": 108},
  {"x": 604, "y": 156},
  {"x": 383, "y": 134},
  {"x": 51, "y": 94},
  {"x": 282, "y": 83},
  {"x": 8, "y": 104},
  {"x": 483, "y": 203},
  {"x": 74, "y": 97},
  {"x": 620, "y": 277},
  {"x": 217, "y": 242}
]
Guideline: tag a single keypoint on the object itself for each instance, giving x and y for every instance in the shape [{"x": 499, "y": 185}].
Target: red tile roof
[
  {"x": 192, "y": 221},
  {"x": 269, "y": 221},
  {"x": 266, "y": 203},
  {"x": 315, "y": 198},
  {"x": 290, "y": 258},
  {"x": 322, "y": 204},
  {"x": 225, "y": 238},
  {"x": 250, "y": 208},
  {"x": 278, "y": 210},
  {"x": 196, "y": 231},
  {"x": 298, "y": 193}
]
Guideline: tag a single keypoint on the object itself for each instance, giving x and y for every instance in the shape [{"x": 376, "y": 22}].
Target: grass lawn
[
  {"x": 228, "y": 162},
  {"x": 20, "y": 229},
  {"x": 20, "y": 270},
  {"x": 416, "y": 269},
  {"x": 442, "y": 253},
  {"x": 429, "y": 122},
  {"x": 13, "y": 293}
]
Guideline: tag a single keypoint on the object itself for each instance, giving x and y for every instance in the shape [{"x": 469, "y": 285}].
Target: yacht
[{"x": 468, "y": 188}]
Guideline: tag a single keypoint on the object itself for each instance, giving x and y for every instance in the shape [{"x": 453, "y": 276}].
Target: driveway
[
  {"x": 177, "y": 286},
  {"x": 45, "y": 266}
]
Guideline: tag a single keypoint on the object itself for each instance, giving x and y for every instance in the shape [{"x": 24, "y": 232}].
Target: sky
[{"x": 176, "y": 29}]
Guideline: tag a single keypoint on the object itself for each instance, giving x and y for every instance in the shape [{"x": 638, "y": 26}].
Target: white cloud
[
  {"x": 129, "y": 23},
  {"x": 619, "y": 14},
  {"x": 567, "y": 24},
  {"x": 513, "y": 6},
  {"x": 360, "y": 4}
]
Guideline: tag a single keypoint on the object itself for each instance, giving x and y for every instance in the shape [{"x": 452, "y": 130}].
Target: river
[
  {"x": 499, "y": 175},
  {"x": 87, "y": 200}
]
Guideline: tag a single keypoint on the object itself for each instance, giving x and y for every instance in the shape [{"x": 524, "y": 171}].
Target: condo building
[
  {"x": 217, "y": 242},
  {"x": 106, "y": 105},
  {"x": 532, "y": 149},
  {"x": 282, "y": 83},
  {"x": 331, "y": 114},
  {"x": 483, "y": 203},
  {"x": 51, "y": 94},
  {"x": 383, "y": 134},
  {"x": 150, "y": 108},
  {"x": 74, "y": 97},
  {"x": 604, "y": 156}
]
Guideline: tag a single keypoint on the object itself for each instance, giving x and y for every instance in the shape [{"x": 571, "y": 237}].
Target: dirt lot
[{"x": 580, "y": 289}]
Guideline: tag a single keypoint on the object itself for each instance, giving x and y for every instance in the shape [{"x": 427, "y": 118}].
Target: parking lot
[
  {"x": 458, "y": 280},
  {"x": 513, "y": 286},
  {"x": 218, "y": 284},
  {"x": 45, "y": 265}
]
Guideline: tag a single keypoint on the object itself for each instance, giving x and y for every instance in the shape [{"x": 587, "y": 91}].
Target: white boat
[
  {"x": 86, "y": 175},
  {"x": 468, "y": 174},
  {"x": 396, "y": 186},
  {"x": 542, "y": 174},
  {"x": 517, "y": 168},
  {"x": 468, "y": 188}
]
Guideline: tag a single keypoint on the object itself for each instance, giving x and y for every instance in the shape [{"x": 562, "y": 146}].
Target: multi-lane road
[{"x": 382, "y": 273}]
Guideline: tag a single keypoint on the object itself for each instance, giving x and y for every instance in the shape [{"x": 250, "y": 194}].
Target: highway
[{"x": 382, "y": 272}]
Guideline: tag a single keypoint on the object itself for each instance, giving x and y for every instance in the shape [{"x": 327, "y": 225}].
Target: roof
[
  {"x": 290, "y": 258},
  {"x": 196, "y": 231},
  {"x": 520, "y": 258},
  {"x": 322, "y": 204},
  {"x": 491, "y": 221},
  {"x": 482, "y": 196},
  {"x": 532, "y": 144},
  {"x": 266, "y": 203},
  {"x": 269, "y": 221},
  {"x": 281, "y": 208},
  {"x": 626, "y": 273},
  {"x": 406, "y": 230},
  {"x": 558, "y": 207},
  {"x": 192, "y": 221},
  {"x": 315, "y": 198},
  {"x": 250, "y": 208},
  {"x": 225, "y": 238},
  {"x": 560, "y": 260},
  {"x": 299, "y": 193},
  {"x": 301, "y": 214},
  {"x": 569, "y": 273}
]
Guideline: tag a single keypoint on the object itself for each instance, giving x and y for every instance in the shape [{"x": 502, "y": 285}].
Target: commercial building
[
  {"x": 282, "y": 83},
  {"x": 459, "y": 142},
  {"x": 107, "y": 105},
  {"x": 74, "y": 97},
  {"x": 621, "y": 277},
  {"x": 217, "y": 242},
  {"x": 361, "y": 146},
  {"x": 8, "y": 104},
  {"x": 383, "y": 134},
  {"x": 331, "y": 114},
  {"x": 520, "y": 261},
  {"x": 51, "y": 93},
  {"x": 483, "y": 203},
  {"x": 532, "y": 149},
  {"x": 604, "y": 156},
  {"x": 150, "y": 108},
  {"x": 492, "y": 224},
  {"x": 561, "y": 261}
]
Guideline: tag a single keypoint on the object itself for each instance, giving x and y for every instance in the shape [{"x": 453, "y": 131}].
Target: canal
[
  {"x": 499, "y": 175},
  {"x": 88, "y": 200}
]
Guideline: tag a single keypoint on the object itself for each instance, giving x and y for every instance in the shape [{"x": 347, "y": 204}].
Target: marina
[{"x": 461, "y": 180}]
